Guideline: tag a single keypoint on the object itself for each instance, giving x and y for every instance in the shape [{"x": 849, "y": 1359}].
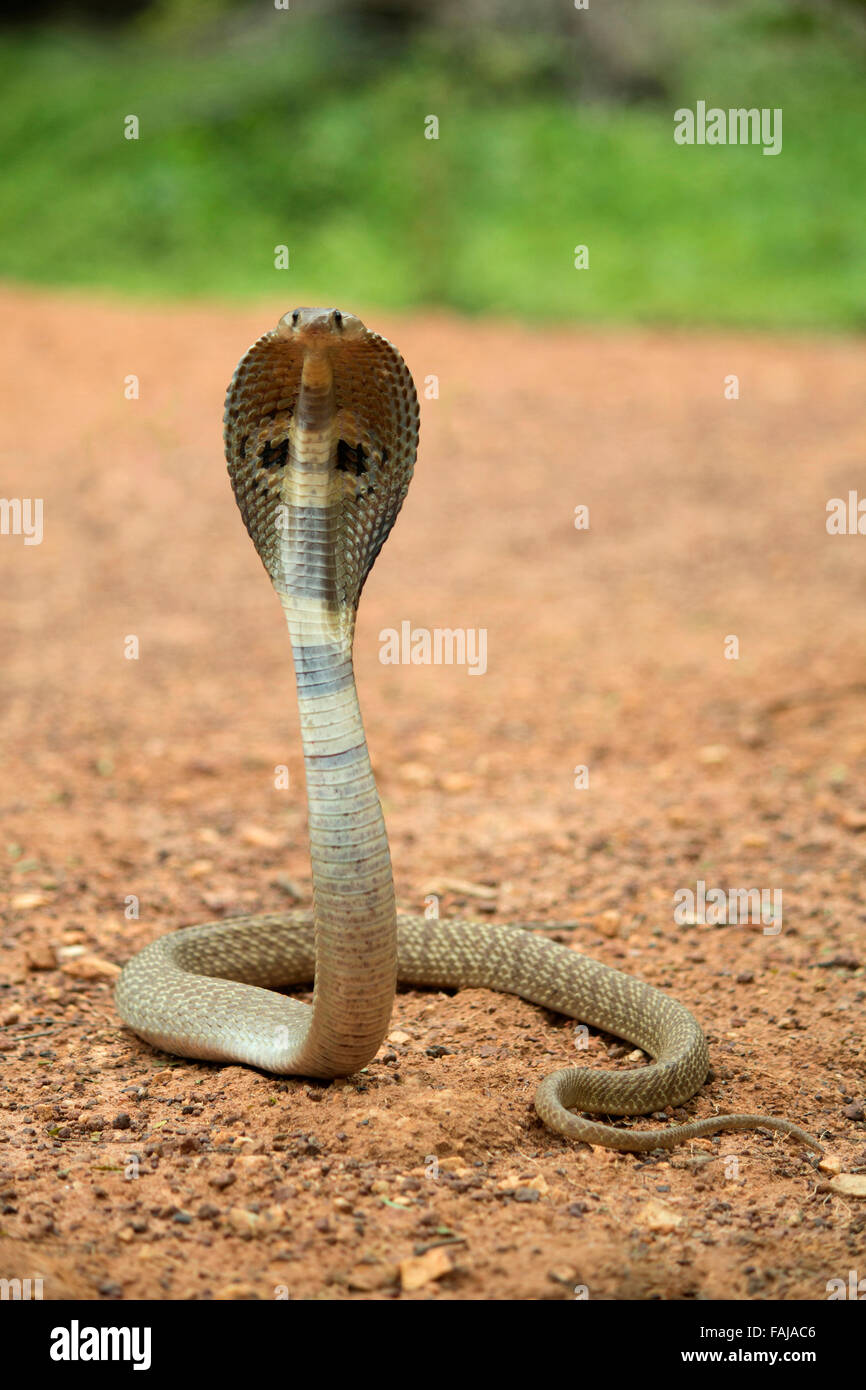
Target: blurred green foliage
[{"x": 264, "y": 127}]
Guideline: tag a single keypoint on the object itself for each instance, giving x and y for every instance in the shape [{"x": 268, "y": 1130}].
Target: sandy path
[{"x": 124, "y": 1173}]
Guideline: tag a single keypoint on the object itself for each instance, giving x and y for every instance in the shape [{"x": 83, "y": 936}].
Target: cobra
[{"x": 321, "y": 433}]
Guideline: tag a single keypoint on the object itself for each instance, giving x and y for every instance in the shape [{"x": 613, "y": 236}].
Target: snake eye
[
  {"x": 296, "y": 317},
  {"x": 338, "y": 319}
]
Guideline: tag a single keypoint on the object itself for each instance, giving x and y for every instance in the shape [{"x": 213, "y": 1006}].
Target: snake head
[
  {"x": 321, "y": 430},
  {"x": 319, "y": 327}
]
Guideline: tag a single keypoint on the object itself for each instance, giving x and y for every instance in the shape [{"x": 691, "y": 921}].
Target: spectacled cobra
[{"x": 321, "y": 432}]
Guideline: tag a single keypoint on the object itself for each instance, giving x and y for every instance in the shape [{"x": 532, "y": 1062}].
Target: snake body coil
[{"x": 321, "y": 430}]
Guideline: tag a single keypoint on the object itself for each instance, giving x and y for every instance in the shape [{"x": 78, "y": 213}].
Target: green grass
[{"x": 295, "y": 133}]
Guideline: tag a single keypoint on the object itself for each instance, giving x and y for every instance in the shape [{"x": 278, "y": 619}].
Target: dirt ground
[{"x": 129, "y": 1174}]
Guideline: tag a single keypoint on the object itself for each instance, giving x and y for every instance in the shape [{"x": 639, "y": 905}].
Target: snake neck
[{"x": 353, "y": 888}]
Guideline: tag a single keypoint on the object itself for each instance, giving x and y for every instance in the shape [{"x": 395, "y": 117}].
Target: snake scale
[{"x": 321, "y": 432}]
